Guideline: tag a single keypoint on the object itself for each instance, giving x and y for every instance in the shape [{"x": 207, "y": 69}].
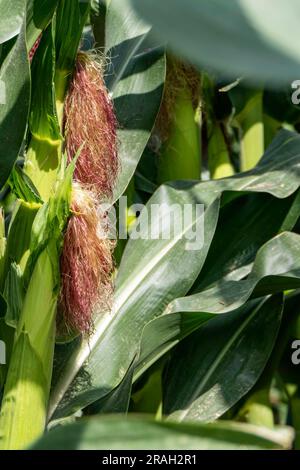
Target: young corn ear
[
  {"x": 181, "y": 80},
  {"x": 177, "y": 126},
  {"x": 24, "y": 405},
  {"x": 86, "y": 264},
  {"x": 90, "y": 122}
]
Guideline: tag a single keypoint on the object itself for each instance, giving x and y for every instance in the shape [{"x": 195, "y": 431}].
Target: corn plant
[{"x": 135, "y": 341}]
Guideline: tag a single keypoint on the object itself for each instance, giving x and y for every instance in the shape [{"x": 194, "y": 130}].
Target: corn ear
[
  {"x": 181, "y": 155},
  {"x": 18, "y": 247},
  {"x": 28, "y": 381}
]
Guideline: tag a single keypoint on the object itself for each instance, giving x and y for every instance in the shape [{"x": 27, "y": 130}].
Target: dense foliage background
[{"x": 197, "y": 353}]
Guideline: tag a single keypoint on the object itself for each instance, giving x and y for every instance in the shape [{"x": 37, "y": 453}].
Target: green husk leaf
[
  {"x": 2, "y": 248},
  {"x": 22, "y": 186},
  {"x": 51, "y": 218},
  {"x": 14, "y": 295},
  {"x": 43, "y": 119},
  {"x": 18, "y": 247},
  {"x": 67, "y": 40},
  {"x": 181, "y": 155}
]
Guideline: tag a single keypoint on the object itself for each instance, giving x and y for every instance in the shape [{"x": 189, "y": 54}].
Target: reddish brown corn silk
[
  {"x": 90, "y": 121},
  {"x": 34, "y": 48},
  {"x": 86, "y": 264},
  {"x": 86, "y": 261}
]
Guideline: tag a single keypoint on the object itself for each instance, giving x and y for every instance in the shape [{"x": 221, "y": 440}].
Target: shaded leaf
[
  {"x": 186, "y": 314},
  {"x": 11, "y": 18},
  {"x": 39, "y": 14},
  {"x": 225, "y": 358},
  {"x": 137, "y": 433},
  {"x": 14, "y": 105},
  {"x": 233, "y": 38}
]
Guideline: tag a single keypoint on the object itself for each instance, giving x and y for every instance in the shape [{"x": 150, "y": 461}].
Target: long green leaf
[
  {"x": 217, "y": 365},
  {"x": 14, "y": 104},
  {"x": 137, "y": 433},
  {"x": 11, "y": 18},
  {"x": 187, "y": 314},
  {"x": 244, "y": 225}
]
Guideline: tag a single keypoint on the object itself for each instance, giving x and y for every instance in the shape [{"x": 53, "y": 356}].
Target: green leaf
[
  {"x": 51, "y": 219},
  {"x": 135, "y": 77},
  {"x": 185, "y": 315},
  {"x": 116, "y": 401},
  {"x": 11, "y": 18},
  {"x": 98, "y": 14},
  {"x": 67, "y": 39},
  {"x": 144, "y": 184},
  {"x": 225, "y": 358},
  {"x": 22, "y": 186},
  {"x": 137, "y": 433},
  {"x": 14, "y": 295},
  {"x": 244, "y": 225},
  {"x": 14, "y": 105},
  {"x": 234, "y": 37},
  {"x": 43, "y": 119},
  {"x": 276, "y": 173},
  {"x": 17, "y": 248},
  {"x": 39, "y": 15}
]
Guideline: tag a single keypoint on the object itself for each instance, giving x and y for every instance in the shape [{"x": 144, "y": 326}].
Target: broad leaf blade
[
  {"x": 187, "y": 314},
  {"x": 244, "y": 225},
  {"x": 225, "y": 359},
  {"x": 11, "y": 18},
  {"x": 14, "y": 105},
  {"x": 137, "y": 433}
]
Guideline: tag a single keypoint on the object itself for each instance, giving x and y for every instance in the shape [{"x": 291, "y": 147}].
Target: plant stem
[
  {"x": 181, "y": 157},
  {"x": 251, "y": 122},
  {"x": 219, "y": 162}
]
